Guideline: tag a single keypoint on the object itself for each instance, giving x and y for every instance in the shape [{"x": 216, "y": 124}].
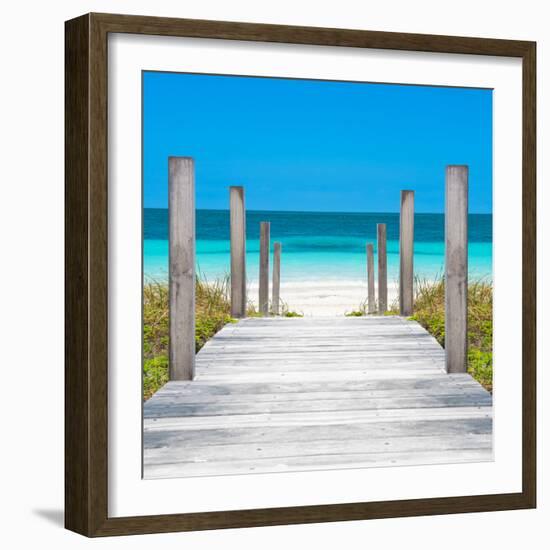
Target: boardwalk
[{"x": 278, "y": 394}]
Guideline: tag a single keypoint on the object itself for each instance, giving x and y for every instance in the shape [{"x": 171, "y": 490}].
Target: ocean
[{"x": 316, "y": 246}]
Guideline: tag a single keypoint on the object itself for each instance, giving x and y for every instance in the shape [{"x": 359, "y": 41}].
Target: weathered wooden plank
[
  {"x": 192, "y": 398},
  {"x": 190, "y": 438},
  {"x": 374, "y": 349},
  {"x": 375, "y": 353},
  {"x": 329, "y": 352},
  {"x": 324, "y": 334},
  {"x": 216, "y": 392},
  {"x": 456, "y": 268},
  {"x": 181, "y": 193},
  {"x": 306, "y": 345},
  {"x": 322, "y": 367},
  {"x": 237, "y": 226},
  {"x": 343, "y": 349},
  {"x": 304, "y": 418},
  {"x": 325, "y": 462},
  {"x": 328, "y": 321},
  {"x": 316, "y": 338},
  {"x": 263, "y": 292},
  {"x": 320, "y": 340},
  {"x": 345, "y": 371},
  {"x": 239, "y": 340},
  {"x": 425, "y": 384},
  {"x": 326, "y": 376},
  {"x": 343, "y": 346},
  {"x": 164, "y": 409},
  {"x": 406, "y": 253},
  {"x": 304, "y": 448},
  {"x": 251, "y": 369}
]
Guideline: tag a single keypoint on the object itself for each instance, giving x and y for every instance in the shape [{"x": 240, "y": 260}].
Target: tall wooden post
[
  {"x": 276, "y": 278},
  {"x": 456, "y": 269},
  {"x": 263, "y": 298},
  {"x": 406, "y": 254},
  {"x": 237, "y": 224},
  {"x": 181, "y": 213},
  {"x": 371, "y": 306},
  {"x": 382, "y": 269}
]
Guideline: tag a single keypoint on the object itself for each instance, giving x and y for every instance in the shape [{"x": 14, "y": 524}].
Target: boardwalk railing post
[
  {"x": 276, "y": 278},
  {"x": 263, "y": 298},
  {"x": 237, "y": 224},
  {"x": 371, "y": 306},
  {"x": 382, "y": 269},
  {"x": 181, "y": 213},
  {"x": 406, "y": 254},
  {"x": 456, "y": 269}
]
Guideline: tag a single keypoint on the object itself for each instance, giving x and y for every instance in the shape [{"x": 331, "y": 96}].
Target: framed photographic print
[{"x": 300, "y": 275}]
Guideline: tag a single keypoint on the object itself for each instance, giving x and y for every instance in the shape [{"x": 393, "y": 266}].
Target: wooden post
[
  {"x": 406, "y": 254},
  {"x": 276, "y": 278},
  {"x": 263, "y": 301},
  {"x": 371, "y": 306},
  {"x": 181, "y": 213},
  {"x": 382, "y": 269},
  {"x": 456, "y": 269},
  {"x": 237, "y": 224}
]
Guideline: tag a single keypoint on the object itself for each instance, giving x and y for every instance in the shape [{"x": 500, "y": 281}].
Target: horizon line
[{"x": 312, "y": 211}]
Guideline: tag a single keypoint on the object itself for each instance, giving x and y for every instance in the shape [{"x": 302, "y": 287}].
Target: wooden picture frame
[{"x": 86, "y": 283}]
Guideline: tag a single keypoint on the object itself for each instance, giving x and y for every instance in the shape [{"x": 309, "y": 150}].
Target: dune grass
[
  {"x": 361, "y": 310},
  {"x": 429, "y": 311},
  {"x": 212, "y": 309},
  {"x": 284, "y": 310}
]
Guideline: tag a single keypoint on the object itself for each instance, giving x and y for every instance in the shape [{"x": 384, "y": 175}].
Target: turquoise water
[{"x": 317, "y": 245}]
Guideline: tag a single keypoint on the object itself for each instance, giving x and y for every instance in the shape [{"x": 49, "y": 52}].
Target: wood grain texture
[
  {"x": 263, "y": 287},
  {"x": 86, "y": 289},
  {"x": 456, "y": 268},
  {"x": 261, "y": 32},
  {"x": 529, "y": 275},
  {"x": 86, "y": 426},
  {"x": 406, "y": 254},
  {"x": 181, "y": 214},
  {"x": 77, "y": 233},
  {"x": 324, "y": 377},
  {"x": 237, "y": 227}
]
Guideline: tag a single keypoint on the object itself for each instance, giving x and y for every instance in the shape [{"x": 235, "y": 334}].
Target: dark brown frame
[{"x": 86, "y": 274}]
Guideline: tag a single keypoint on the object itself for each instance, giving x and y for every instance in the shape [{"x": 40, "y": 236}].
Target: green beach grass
[
  {"x": 212, "y": 313},
  {"x": 429, "y": 311}
]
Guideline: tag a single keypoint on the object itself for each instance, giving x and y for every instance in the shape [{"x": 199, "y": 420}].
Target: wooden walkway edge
[{"x": 294, "y": 394}]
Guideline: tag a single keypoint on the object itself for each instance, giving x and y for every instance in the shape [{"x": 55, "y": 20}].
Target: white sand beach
[{"x": 324, "y": 298}]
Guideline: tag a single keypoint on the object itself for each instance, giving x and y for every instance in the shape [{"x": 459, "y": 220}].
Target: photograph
[
  {"x": 300, "y": 274},
  {"x": 317, "y": 263}
]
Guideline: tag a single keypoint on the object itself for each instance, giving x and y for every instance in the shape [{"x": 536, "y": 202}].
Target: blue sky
[{"x": 315, "y": 145}]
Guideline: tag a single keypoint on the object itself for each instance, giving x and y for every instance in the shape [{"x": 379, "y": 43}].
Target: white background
[{"x": 31, "y": 218}]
